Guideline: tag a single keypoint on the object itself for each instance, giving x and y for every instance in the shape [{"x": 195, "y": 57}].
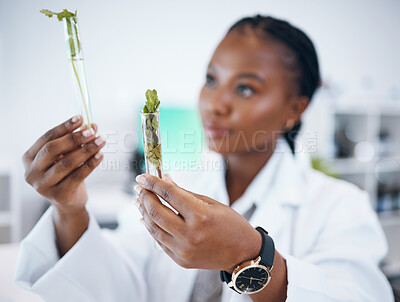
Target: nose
[{"x": 216, "y": 102}]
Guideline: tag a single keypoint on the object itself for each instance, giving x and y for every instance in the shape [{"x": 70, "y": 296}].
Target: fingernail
[
  {"x": 98, "y": 155},
  {"x": 88, "y": 132},
  {"x": 137, "y": 189},
  {"x": 140, "y": 179},
  {"x": 99, "y": 141},
  {"x": 75, "y": 118}
]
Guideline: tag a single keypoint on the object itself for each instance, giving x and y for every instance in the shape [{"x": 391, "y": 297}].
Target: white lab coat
[{"x": 324, "y": 228}]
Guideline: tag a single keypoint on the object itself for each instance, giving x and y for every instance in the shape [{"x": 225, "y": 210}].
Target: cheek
[
  {"x": 264, "y": 116},
  {"x": 261, "y": 123},
  {"x": 201, "y": 102}
]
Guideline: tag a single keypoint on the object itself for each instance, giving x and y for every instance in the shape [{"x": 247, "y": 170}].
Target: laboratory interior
[{"x": 350, "y": 130}]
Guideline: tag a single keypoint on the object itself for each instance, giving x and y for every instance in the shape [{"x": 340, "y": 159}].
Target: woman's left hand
[{"x": 205, "y": 235}]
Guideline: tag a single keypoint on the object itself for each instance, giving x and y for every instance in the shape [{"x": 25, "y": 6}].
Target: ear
[{"x": 297, "y": 105}]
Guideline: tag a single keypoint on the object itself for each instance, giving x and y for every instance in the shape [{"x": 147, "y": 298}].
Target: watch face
[{"x": 252, "y": 279}]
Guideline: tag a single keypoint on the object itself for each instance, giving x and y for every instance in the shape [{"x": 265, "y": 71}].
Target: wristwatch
[{"x": 252, "y": 276}]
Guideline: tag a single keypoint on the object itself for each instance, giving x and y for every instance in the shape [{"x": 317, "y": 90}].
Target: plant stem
[
  {"x": 159, "y": 172},
  {"x": 83, "y": 96}
]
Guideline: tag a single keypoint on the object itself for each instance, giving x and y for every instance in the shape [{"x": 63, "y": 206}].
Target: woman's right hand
[{"x": 56, "y": 166}]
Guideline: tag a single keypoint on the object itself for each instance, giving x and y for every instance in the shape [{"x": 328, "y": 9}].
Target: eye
[
  {"x": 245, "y": 91},
  {"x": 210, "y": 80}
]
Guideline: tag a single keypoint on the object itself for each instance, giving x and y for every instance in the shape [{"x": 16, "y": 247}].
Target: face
[{"x": 249, "y": 96}]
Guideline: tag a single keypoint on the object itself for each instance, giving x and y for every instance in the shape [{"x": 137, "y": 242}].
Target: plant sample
[
  {"x": 151, "y": 132},
  {"x": 75, "y": 55}
]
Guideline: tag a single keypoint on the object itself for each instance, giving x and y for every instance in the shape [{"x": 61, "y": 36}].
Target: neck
[{"x": 242, "y": 169}]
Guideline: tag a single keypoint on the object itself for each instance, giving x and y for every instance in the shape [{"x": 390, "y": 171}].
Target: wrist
[
  {"x": 69, "y": 228},
  {"x": 249, "y": 250},
  {"x": 70, "y": 217}
]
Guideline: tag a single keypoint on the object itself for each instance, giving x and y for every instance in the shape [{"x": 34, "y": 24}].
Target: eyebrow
[
  {"x": 211, "y": 66},
  {"x": 252, "y": 76},
  {"x": 242, "y": 75}
]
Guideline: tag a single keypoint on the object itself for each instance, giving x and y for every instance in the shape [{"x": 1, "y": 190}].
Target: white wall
[{"x": 130, "y": 46}]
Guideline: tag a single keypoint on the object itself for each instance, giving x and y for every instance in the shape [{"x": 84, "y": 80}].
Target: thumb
[{"x": 168, "y": 178}]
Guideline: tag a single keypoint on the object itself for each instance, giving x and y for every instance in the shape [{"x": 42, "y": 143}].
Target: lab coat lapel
[
  {"x": 175, "y": 283},
  {"x": 276, "y": 210}
]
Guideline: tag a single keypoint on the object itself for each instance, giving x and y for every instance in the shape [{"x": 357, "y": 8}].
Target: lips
[{"x": 213, "y": 130}]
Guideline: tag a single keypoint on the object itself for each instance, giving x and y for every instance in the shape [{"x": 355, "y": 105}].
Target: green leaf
[
  {"x": 64, "y": 14},
  {"x": 152, "y": 101},
  {"x": 154, "y": 124},
  {"x": 67, "y": 15},
  {"x": 47, "y": 12},
  {"x": 153, "y": 155}
]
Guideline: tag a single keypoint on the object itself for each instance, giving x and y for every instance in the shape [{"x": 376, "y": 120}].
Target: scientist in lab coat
[{"x": 318, "y": 238}]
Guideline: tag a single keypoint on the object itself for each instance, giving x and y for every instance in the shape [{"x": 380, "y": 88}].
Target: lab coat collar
[
  {"x": 279, "y": 181},
  {"x": 290, "y": 179}
]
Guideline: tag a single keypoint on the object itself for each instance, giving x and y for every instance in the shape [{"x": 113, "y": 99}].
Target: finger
[
  {"x": 159, "y": 213},
  {"x": 167, "y": 177},
  {"x": 76, "y": 177},
  {"x": 72, "y": 161},
  {"x": 52, "y": 150},
  {"x": 178, "y": 198},
  {"x": 155, "y": 230},
  {"x": 62, "y": 129},
  {"x": 167, "y": 250},
  {"x": 84, "y": 127},
  {"x": 93, "y": 125}
]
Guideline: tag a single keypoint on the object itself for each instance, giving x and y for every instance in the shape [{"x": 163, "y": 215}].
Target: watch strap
[
  {"x": 267, "y": 251},
  {"x": 226, "y": 277}
]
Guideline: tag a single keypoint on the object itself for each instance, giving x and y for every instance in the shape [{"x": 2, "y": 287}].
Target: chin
[
  {"x": 228, "y": 146},
  {"x": 226, "y": 149},
  {"x": 219, "y": 145}
]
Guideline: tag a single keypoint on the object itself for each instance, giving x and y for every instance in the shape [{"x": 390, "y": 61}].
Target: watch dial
[{"x": 252, "y": 279}]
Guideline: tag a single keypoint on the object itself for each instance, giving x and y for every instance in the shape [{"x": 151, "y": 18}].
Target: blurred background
[{"x": 350, "y": 130}]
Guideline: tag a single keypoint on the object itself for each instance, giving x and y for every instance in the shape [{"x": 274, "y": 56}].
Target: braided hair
[{"x": 306, "y": 62}]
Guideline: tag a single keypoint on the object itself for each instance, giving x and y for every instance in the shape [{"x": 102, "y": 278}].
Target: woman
[{"x": 323, "y": 243}]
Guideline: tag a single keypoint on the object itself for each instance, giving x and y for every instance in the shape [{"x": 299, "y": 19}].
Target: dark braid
[{"x": 299, "y": 43}]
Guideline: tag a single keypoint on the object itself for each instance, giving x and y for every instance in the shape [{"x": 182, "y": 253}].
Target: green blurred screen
[{"x": 182, "y": 139}]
